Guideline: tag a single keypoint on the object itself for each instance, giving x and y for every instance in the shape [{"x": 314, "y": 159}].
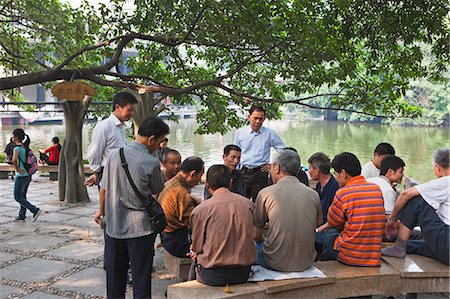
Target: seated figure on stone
[
  {"x": 291, "y": 211},
  {"x": 426, "y": 205},
  {"x": 178, "y": 203},
  {"x": 354, "y": 230},
  {"x": 222, "y": 233}
]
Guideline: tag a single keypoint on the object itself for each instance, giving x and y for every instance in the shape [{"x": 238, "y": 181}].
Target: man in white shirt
[
  {"x": 372, "y": 168},
  {"x": 427, "y": 205},
  {"x": 109, "y": 134},
  {"x": 391, "y": 173}
]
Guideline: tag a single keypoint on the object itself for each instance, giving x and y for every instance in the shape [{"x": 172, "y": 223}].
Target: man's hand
[
  {"x": 391, "y": 228},
  {"x": 266, "y": 168},
  {"x": 92, "y": 180},
  {"x": 42, "y": 151},
  {"x": 98, "y": 218}
]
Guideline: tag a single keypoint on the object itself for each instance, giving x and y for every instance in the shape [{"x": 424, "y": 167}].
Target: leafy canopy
[{"x": 359, "y": 55}]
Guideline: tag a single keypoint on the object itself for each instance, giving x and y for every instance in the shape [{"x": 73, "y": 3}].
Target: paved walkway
[{"x": 61, "y": 254}]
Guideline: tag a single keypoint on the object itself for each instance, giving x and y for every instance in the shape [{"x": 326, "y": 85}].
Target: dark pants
[
  {"x": 324, "y": 245},
  {"x": 435, "y": 232},
  {"x": 46, "y": 158},
  {"x": 21, "y": 184},
  {"x": 177, "y": 243},
  {"x": 119, "y": 253},
  {"x": 219, "y": 276},
  {"x": 255, "y": 180}
]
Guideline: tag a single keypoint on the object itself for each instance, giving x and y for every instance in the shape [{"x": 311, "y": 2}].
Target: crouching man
[{"x": 222, "y": 233}]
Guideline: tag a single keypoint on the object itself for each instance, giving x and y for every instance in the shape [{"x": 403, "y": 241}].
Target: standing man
[
  {"x": 358, "y": 209},
  {"x": 255, "y": 142},
  {"x": 171, "y": 162},
  {"x": 427, "y": 205},
  {"x": 178, "y": 203},
  {"x": 129, "y": 237},
  {"x": 222, "y": 232},
  {"x": 319, "y": 169},
  {"x": 292, "y": 212},
  {"x": 109, "y": 134},
  {"x": 372, "y": 168},
  {"x": 231, "y": 158}
]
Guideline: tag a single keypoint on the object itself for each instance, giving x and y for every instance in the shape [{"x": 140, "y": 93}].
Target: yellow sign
[{"x": 72, "y": 91}]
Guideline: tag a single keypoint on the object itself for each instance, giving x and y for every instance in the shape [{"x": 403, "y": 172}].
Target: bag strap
[{"x": 127, "y": 171}]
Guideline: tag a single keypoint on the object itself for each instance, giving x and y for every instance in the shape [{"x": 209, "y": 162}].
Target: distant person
[
  {"x": 319, "y": 166},
  {"x": 222, "y": 233},
  {"x": 9, "y": 151},
  {"x": 162, "y": 149},
  {"x": 291, "y": 211},
  {"x": 109, "y": 134},
  {"x": 231, "y": 157},
  {"x": 391, "y": 173},
  {"x": 426, "y": 205},
  {"x": 355, "y": 227},
  {"x": 23, "y": 178},
  {"x": 54, "y": 153},
  {"x": 171, "y": 163},
  {"x": 255, "y": 142},
  {"x": 129, "y": 237},
  {"x": 372, "y": 168},
  {"x": 178, "y": 203}
]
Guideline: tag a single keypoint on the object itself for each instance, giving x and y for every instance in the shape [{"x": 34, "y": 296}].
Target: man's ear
[
  {"x": 150, "y": 139},
  {"x": 192, "y": 173}
]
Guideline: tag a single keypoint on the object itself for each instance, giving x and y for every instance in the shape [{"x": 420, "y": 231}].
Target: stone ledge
[{"x": 178, "y": 266}]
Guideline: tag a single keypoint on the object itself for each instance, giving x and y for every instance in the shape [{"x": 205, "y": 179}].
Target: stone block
[
  {"x": 194, "y": 289},
  {"x": 178, "y": 266}
]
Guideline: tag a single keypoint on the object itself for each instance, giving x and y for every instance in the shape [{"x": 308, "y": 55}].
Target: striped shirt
[{"x": 358, "y": 207}]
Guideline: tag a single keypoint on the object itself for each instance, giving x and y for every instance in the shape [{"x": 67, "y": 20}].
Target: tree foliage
[{"x": 359, "y": 55}]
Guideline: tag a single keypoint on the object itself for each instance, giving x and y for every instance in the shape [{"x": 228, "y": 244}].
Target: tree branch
[
  {"x": 193, "y": 25},
  {"x": 79, "y": 52}
]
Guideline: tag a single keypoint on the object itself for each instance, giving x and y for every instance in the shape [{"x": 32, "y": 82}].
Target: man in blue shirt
[
  {"x": 255, "y": 142},
  {"x": 319, "y": 169}
]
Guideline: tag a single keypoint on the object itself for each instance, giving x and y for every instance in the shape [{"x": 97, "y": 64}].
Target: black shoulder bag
[{"x": 157, "y": 217}]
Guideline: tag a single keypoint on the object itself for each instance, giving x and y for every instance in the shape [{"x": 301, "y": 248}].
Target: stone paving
[{"x": 61, "y": 254}]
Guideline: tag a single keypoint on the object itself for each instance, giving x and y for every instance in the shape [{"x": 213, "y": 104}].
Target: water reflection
[{"x": 413, "y": 144}]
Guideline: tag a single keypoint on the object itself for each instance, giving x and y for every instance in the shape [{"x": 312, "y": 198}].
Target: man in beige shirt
[
  {"x": 222, "y": 233},
  {"x": 292, "y": 212}
]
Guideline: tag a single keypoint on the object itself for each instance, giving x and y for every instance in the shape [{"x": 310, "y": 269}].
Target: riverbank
[{"x": 61, "y": 254}]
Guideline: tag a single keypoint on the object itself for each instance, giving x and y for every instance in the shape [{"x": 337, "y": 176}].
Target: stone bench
[
  {"x": 414, "y": 274},
  {"x": 5, "y": 169},
  {"x": 178, "y": 266}
]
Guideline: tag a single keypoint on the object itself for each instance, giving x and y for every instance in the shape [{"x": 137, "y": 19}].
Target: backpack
[{"x": 31, "y": 164}]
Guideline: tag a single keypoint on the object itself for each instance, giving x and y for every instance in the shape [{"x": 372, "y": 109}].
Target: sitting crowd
[{"x": 281, "y": 222}]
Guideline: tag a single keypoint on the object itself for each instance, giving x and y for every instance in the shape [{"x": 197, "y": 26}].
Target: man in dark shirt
[
  {"x": 231, "y": 158},
  {"x": 319, "y": 169}
]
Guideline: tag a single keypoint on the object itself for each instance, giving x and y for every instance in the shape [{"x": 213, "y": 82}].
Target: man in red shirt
[{"x": 54, "y": 151}]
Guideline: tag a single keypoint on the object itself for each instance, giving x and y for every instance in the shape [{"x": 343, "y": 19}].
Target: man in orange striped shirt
[{"x": 355, "y": 226}]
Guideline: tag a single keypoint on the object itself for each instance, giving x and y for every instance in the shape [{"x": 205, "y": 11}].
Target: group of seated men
[{"x": 290, "y": 225}]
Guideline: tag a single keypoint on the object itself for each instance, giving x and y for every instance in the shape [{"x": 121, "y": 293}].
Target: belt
[{"x": 257, "y": 168}]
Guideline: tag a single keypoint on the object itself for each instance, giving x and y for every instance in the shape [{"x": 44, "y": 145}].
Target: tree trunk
[
  {"x": 71, "y": 171},
  {"x": 145, "y": 108}
]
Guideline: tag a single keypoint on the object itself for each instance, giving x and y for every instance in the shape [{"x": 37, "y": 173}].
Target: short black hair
[
  {"x": 123, "y": 98},
  {"x": 347, "y": 161},
  {"x": 153, "y": 126},
  {"x": 55, "y": 139},
  {"x": 391, "y": 162},
  {"x": 231, "y": 147},
  {"x": 169, "y": 151},
  {"x": 321, "y": 161},
  {"x": 192, "y": 163},
  {"x": 218, "y": 176},
  {"x": 384, "y": 149},
  {"x": 257, "y": 108}
]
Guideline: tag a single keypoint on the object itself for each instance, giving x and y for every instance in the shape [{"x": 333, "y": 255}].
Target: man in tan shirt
[
  {"x": 178, "y": 203},
  {"x": 292, "y": 212},
  {"x": 222, "y": 232}
]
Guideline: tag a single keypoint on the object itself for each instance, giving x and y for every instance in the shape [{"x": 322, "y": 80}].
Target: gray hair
[
  {"x": 288, "y": 160},
  {"x": 441, "y": 157}
]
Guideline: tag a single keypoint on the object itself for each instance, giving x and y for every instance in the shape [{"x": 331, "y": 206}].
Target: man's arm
[
  {"x": 258, "y": 234},
  {"x": 96, "y": 148},
  {"x": 277, "y": 143},
  {"x": 101, "y": 209}
]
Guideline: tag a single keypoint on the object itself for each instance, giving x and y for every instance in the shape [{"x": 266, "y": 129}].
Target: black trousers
[
  {"x": 119, "y": 253},
  {"x": 219, "y": 276},
  {"x": 177, "y": 243},
  {"x": 435, "y": 232},
  {"x": 46, "y": 158},
  {"x": 255, "y": 180}
]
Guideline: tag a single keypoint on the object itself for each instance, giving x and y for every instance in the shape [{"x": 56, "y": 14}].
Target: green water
[{"x": 414, "y": 145}]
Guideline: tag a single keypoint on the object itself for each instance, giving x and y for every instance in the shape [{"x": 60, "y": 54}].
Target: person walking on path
[
  {"x": 22, "y": 178},
  {"x": 255, "y": 142}
]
